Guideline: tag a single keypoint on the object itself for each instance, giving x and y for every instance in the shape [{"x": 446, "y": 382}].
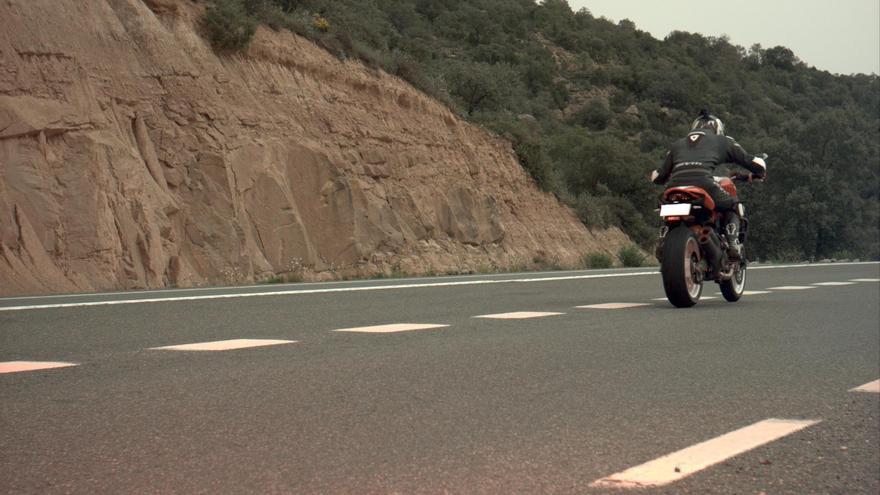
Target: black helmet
[{"x": 708, "y": 122}]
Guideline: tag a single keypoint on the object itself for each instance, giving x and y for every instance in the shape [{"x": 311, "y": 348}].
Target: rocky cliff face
[{"x": 132, "y": 156}]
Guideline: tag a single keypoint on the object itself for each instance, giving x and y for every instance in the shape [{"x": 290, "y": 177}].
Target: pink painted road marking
[
  {"x": 873, "y": 387},
  {"x": 613, "y": 306},
  {"x": 394, "y": 327},
  {"x": 685, "y": 462},
  {"x": 17, "y": 366},
  {"x": 224, "y": 345},
  {"x": 518, "y": 315}
]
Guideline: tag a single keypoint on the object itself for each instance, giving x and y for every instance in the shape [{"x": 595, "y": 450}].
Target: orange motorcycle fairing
[
  {"x": 728, "y": 186},
  {"x": 693, "y": 191}
]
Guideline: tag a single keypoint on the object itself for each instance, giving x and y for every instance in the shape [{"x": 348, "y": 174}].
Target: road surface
[{"x": 561, "y": 382}]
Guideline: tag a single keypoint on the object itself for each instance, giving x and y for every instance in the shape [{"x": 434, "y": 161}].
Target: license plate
[{"x": 675, "y": 210}]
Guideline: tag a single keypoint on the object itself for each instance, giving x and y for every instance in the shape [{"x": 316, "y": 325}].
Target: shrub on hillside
[
  {"x": 593, "y": 211},
  {"x": 595, "y": 115},
  {"x": 321, "y": 24},
  {"x": 532, "y": 158},
  {"x": 631, "y": 256},
  {"x": 598, "y": 260},
  {"x": 228, "y": 25}
]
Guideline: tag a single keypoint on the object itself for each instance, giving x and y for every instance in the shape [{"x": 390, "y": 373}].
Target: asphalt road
[{"x": 540, "y": 405}]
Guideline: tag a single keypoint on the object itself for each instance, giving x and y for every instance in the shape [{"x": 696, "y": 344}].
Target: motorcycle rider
[{"x": 692, "y": 161}]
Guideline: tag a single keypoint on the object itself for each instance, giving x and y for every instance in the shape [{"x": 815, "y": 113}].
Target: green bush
[
  {"x": 598, "y": 260},
  {"x": 542, "y": 263},
  {"x": 594, "y": 115},
  {"x": 532, "y": 158},
  {"x": 289, "y": 278},
  {"x": 631, "y": 256},
  {"x": 228, "y": 25},
  {"x": 321, "y": 24},
  {"x": 594, "y": 211}
]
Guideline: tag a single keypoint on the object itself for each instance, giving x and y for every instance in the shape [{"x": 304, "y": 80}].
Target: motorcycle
[{"x": 692, "y": 247}]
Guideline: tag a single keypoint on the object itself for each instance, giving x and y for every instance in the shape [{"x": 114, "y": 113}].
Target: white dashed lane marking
[
  {"x": 685, "y": 462},
  {"x": 224, "y": 345},
  {"x": 702, "y": 298},
  {"x": 750, "y": 292},
  {"x": 792, "y": 287},
  {"x": 833, "y": 284},
  {"x": 18, "y": 366},
  {"x": 519, "y": 315},
  {"x": 865, "y": 280},
  {"x": 391, "y": 328},
  {"x": 613, "y": 306},
  {"x": 873, "y": 387}
]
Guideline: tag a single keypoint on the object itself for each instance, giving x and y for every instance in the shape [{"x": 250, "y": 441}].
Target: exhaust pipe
[{"x": 712, "y": 247}]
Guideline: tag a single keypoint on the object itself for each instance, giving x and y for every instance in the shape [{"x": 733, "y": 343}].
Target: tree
[
  {"x": 780, "y": 57},
  {"x": 480, "y": 86}
]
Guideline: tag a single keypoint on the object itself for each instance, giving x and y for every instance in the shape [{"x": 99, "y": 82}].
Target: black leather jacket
[{"x": 694, "y": 158}]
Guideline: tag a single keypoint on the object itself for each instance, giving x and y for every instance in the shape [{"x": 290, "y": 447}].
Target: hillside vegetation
[{"x": 590, "y": 106}]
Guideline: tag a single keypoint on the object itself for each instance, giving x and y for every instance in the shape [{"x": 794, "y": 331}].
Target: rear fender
[{"x": 694, "y": 191}]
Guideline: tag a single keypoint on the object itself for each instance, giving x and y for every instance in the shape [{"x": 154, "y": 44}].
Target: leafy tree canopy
[{"x": 606, "y": 99}]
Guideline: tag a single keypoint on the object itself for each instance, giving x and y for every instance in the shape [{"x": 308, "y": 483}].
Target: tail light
[{"x": 679, "y": 196}]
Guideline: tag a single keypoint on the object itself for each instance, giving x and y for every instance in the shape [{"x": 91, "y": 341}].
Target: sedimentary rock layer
[{"x": 133, "y": 156}]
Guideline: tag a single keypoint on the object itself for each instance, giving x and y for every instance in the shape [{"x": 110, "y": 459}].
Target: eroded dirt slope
[{"x": 132, "y": 156}]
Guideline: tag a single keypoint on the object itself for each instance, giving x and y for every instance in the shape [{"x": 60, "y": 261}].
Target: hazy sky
[{"x": 841, "y": 36}]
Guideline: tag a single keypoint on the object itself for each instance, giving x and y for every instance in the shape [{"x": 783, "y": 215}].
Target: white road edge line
[
  {"x": 322, "y": 291},
  {"x": 685, "y": 462},
  {"x": 254, "y": 286},
  {"x": 364, "y": 288}
]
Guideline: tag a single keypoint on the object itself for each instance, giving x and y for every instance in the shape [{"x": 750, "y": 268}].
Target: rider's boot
[{"x": 731, "y": 232}]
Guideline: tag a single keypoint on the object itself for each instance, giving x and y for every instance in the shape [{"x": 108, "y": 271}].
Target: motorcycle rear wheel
[
  {"x": 681, "y": 270},
  {"x": 733, "y": 289}
]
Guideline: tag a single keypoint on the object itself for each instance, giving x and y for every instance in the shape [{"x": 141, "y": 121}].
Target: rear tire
[
  {"x": 682, "y": 274},
  {"x": 733, "y": 289}
]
